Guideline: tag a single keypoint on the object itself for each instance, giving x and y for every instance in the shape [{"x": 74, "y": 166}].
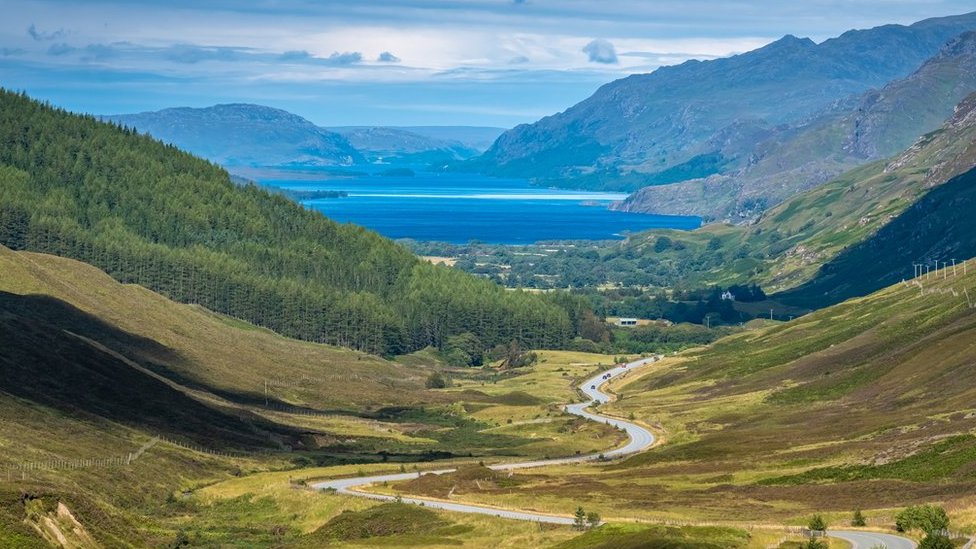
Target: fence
[{"x": 22, "y": 469}]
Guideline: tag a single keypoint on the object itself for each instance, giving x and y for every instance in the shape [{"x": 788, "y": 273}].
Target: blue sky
[{"x": 390, "y": 62}]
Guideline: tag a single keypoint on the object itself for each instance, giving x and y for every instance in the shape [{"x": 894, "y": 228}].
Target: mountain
[
  {"x": 479, "y": 138},
  {"x": 93, "y": 371},
  {"x": 852, "y": 132},
  {"x": 245, "y": 135},
  {"x": 382, "y": 145},
  {"x": 787, "y": 246},
  {"x": 635, "y": 129},
  {"x": 150, "y": 214}
]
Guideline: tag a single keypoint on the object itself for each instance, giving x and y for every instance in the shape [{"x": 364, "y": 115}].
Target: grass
[
  {"x": 824, "y": 414},
  {"x": 658, "y": 537},
  {"x": 94, "y": 369},
  {"x": 828, "y": 413}
]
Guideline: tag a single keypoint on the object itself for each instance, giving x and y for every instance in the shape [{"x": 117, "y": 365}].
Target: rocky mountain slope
[
  {"x": 635, "y": 129},
  {"x": 793, "y": 159}
]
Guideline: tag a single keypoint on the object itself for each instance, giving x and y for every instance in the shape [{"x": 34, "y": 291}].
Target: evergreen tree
[{"x": 579, "y": 519}]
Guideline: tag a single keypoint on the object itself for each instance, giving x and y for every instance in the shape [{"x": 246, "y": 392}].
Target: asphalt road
[
  {"x": 870, "y": 540},
  {"x": 640, "y": 439}
]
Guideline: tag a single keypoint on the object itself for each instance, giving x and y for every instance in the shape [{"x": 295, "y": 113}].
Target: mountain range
[
  {"x": 247, "y": 135},
  {"x": 703, "y": 118},
  {"x": 849, "y": 133}
]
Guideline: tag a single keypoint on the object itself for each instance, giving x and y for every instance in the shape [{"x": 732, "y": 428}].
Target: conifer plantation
[{"x": 149, "y": 214}]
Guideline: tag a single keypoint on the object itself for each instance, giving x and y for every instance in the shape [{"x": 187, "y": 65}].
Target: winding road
[{"x": 640, "y": 439}]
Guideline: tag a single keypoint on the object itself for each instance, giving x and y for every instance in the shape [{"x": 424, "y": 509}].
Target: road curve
[
  {"x": 640, "y": 439},
  {"x": 870, "y": 540}
]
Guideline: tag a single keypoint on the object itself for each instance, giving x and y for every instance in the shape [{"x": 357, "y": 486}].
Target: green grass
[
  {"x": 389, "y": 519},
  {"x": 658, "y": 537},
  {"x": 953, "y": 459}
]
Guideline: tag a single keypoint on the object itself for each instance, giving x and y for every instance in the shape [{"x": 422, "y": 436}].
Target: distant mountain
[
  {"x": 850, "y": 133},
  {"x": 245, "y": 135},
  {"x": 385, "y": 145},
  {"x": 701, "y": 118},
  {"x": 479, "y": 138}
]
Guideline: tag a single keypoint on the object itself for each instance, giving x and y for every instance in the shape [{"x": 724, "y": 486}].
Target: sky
[{"x": 391, "y": 62}]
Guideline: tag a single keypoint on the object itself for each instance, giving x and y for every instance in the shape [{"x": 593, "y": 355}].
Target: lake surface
[{"x": 460, "y": 208}]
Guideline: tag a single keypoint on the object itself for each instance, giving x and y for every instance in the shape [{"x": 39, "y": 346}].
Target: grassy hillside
[
  {"x": 937, "y": 229},
  {"x": 148, "y": 213},
  {"x": 92, "y": 371},
  {"x": 867, "y": 404}
]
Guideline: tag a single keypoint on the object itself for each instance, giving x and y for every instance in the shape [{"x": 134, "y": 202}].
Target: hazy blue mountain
[
  {"x": 633, "y": 129},
  {"x": 475, "y": 137},
  {"x": 388, "y": 145},
  {"x": 792, "y": 159},
  {"x": 245, "y": 135}
]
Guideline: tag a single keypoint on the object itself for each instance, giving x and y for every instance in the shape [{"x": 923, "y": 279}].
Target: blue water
[{"x": 460, "y": 208}]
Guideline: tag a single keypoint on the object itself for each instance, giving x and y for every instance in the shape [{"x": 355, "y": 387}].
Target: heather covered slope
[
  {"x": 148, "y": 213},
  {"x": 938, "y": 229},
  {"x": 654, "y": 122}
]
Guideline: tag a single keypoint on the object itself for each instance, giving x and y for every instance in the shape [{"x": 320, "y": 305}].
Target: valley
[{"x": 487, "y": 274}]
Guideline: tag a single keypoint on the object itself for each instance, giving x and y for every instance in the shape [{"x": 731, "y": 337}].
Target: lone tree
[
  {"x": 579, "y": 519},
  {"x": 817, "y": 525},
  {"x": 858, "y": 519},
  {"x": 593, "y": 519},
  {"x": 815, "y": 544},
  {"x": 930, "y": 519}
]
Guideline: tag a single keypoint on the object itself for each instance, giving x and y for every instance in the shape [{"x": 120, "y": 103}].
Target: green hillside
[
  {"x": 939, "y": 229},
  {"x": 150, "y": 214},
  {"x": 864, "y": 405},
  {"x": 92, "y": 370}
]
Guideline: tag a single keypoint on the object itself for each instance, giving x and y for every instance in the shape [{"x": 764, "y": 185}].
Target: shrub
[{"x": 817, "y": 523}]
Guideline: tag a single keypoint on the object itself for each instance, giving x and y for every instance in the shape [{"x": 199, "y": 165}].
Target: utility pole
[
  {"x": 953, "y": 267},
  {"x": 770, "y": 314}
]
